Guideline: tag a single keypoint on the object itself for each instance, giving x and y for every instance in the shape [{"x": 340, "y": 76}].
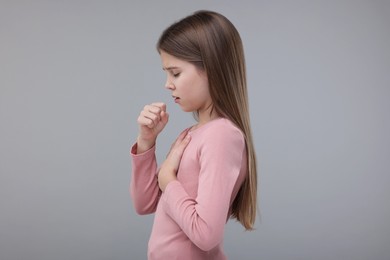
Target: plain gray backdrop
[{"x": 75, "y": 74}]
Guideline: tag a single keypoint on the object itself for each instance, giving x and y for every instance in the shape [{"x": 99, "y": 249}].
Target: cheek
[
  {"x": 204, "y": 89},
  {"x": 194, "y": 86},
  {"x": 187, "y": 85}
]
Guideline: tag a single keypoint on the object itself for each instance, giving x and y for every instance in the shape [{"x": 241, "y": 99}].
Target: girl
[{"x": 209, "y": 174}]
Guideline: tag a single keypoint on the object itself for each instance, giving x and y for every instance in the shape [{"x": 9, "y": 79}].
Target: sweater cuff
[{"x": 148, "y": 153}]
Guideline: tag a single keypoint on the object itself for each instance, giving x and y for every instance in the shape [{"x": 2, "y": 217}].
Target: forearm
[
  {"x": 144, "y": 189},
  {"x": 203, "y": 224}
]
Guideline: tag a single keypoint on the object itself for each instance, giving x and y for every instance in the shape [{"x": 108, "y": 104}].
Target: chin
[{"x": 186, "y": 109}]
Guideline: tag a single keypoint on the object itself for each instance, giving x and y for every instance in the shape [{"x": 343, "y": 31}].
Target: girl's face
[{"x": 189, "y": 85}]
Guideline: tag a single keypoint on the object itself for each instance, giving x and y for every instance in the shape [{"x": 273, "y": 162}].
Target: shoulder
[
  {"x": 223, "y": 126},
  {"x": 222, "y": 131}
]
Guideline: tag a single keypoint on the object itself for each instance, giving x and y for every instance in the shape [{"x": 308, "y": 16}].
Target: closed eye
[{"x": 173, "y": 70}]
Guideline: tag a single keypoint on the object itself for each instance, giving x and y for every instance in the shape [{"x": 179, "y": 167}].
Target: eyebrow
[{"x": 170, "y": 68}]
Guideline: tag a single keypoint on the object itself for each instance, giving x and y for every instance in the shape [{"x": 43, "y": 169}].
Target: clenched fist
[{"x": 151, "y": 121}]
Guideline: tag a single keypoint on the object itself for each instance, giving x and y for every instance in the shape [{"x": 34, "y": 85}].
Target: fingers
[
  {"x": 172, "y": 162},
  {"x": 148, "y": 119},
  {"x": 180, "y": 145},
  {"x": 182, "y": 136},
  {"x": 161, "y": 108},
  {"x": 184, "y": 142},
  {"x": 170, "y": 166},
  {"x": 152, "y": 114},
  {"x": 161, "y": 105},
  {"x": 178, "y": 140},
  {"x": 164, "y": 117}
]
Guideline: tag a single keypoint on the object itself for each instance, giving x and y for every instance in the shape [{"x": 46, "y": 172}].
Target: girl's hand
[
  {"x": 151, "y": 121},
  {"x": 171, "y": 164}
]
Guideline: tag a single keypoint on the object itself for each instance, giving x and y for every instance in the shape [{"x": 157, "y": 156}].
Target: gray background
[{"x": 75, "y": 74}]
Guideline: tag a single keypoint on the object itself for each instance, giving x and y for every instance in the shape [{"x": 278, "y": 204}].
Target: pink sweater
[{"x": 191, "y": 214}]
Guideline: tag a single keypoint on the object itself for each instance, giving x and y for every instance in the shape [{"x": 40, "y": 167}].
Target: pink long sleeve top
[{"x": 191, "y": 214}]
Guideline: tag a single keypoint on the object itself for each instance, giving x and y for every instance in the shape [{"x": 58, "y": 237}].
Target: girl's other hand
[
  {"x": 171, "y": 164},
  {"x": 151, "y": 121}
]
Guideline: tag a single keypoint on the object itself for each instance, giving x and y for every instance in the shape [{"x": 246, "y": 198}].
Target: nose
[{"x": 169, "y": 85}]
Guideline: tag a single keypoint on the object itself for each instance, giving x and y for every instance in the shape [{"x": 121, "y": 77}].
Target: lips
[{"x": 176, "y": 99}]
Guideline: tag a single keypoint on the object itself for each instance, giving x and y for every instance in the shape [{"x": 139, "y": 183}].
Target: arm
[
  {"x": 203, "y": 219},
  {"x": 144, "y": 189}
]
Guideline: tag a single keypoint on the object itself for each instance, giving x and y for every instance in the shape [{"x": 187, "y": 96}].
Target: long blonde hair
[{"x": 211, "y": 42}]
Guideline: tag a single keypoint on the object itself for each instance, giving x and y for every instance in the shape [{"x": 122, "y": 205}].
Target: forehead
[{"x": 171, "y": 62}]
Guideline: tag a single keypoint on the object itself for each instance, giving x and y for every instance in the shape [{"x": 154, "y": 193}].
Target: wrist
[
  {"x": 166, "y": 182},
  {"x": 144, "y": 145},
  {"x": 165, "y": 176}
]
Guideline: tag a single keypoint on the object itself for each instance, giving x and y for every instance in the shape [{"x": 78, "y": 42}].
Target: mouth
[{"x": 176, "y": 99}]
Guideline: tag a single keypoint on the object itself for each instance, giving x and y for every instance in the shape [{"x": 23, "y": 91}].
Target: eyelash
[{"x": 176, "y": 74}]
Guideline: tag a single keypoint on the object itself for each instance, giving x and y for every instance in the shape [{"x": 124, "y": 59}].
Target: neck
[{"x": 206, "y": 116}]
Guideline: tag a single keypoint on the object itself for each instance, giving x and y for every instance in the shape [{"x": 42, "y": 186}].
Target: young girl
[{"x": 209, "y": 174}]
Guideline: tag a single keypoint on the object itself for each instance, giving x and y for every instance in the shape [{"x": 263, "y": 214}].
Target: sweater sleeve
[
  {"x": 203, "y": 219},
  {"x": 144, "y": 189}
]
